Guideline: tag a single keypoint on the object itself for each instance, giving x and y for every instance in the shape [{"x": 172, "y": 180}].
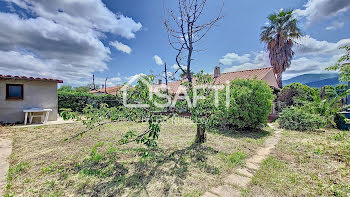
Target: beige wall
[
  {"x": 271, "y": 79},
  {"x": 41, "y": 94}
]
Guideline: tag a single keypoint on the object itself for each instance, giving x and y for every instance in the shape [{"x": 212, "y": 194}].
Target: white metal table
[{"x": 44, "y": 117}]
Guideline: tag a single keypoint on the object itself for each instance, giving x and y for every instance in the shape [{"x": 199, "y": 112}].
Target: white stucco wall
[{"x": 35, "y": 94}]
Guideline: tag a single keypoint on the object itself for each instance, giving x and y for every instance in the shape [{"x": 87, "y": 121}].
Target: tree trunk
[
  {"x": 279, "y": 80},
  {"x": 189, "y": 58},
  {"x": 200, "y": 137}
]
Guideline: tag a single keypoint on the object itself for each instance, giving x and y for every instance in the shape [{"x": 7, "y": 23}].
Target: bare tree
[{"x": 185, "y": 30}]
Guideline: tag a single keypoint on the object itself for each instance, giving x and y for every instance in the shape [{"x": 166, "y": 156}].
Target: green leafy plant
[
  {"x": 250, "y": 104},
  {"x": 77, "y": 101},
  {"x": 340, "y": 136},
  {"x": 343, "y": 65},
  {"x": 328, "y": 108},
  {"x": 294, "y": 118}
]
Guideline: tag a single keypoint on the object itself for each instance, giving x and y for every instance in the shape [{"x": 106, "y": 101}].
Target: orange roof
[
  {"x": 260, "y": 73},
  {"x": 4, "y": 77},
  {"x": 109, "y": 90}
]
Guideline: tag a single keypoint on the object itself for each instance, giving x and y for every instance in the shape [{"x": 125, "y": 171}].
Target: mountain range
[{"x": 314, "y": 80}]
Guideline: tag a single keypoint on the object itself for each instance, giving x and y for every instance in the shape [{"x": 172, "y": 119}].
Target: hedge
[
  {"x": 250, "y": 104},
  {"x": 77, "y": 101},
  {"x": 294, "y": 118}
]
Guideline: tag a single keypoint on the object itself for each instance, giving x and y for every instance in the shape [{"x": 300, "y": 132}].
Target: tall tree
[
  {"x": 278, "y": 36},
  {"x": 185, "y": 29}
]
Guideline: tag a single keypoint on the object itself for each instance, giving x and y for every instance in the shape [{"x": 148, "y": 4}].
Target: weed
[
  {"x": 340, "y": 136},
  {"x": 26, "y": 181},
  {"x": 94, "y": 155},
  {"x": 49, "y": 169},
  {"x": 22, "y": 166},
  {"x": 235, "y": 158},
  {"x": 318, "y": 151},
  {"x": 244, "y": 192},
  {"x": 194, "y": 193},
  {"x": 8, "y": 186}
]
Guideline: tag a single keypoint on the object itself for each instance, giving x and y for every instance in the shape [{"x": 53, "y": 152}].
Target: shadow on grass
[
  {"x": 170, "y": 169},
  {"x": 249, "y": 133}
]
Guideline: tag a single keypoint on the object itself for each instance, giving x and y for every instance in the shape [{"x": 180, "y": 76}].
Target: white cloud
[
  {"x": 134, "y": 78},
  {"x": 311, "y": 56},
  {"x": 231, "y": 58},
  {"x": 82, "y": 15},
  {"x": 260, "y": 60},
  {"x": 62, "y": 40},
  {"x": 335, "y": 25},
  {"x": 121, "y": 47},
  {"x": 316, "y": 10},
  {"x": 158, "y": 60},
  {"x": 307, "y": 45},
  {"x": 110, "y": 81},
  {"x": 175, "y": 66},
  {"x": 308, "y": 65}
]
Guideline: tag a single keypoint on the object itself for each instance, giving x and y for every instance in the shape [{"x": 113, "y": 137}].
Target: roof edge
[{"x": 16, "y": 77}]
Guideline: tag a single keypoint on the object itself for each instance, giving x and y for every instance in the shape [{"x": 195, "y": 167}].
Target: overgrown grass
[
  {"x": 306, "y": 164},
  {"x": 47, "y": 162},
  {"x": 235, "y": 158}
]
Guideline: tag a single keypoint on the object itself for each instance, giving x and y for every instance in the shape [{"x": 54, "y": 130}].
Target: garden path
[
  {"x": 5, "y": 151},
  {"x": 239, "y": 180}
]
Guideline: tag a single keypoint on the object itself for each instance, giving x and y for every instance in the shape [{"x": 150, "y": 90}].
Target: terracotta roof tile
[
  {"x": 6, "y": 77},
  {"x": 259, "y": 73},
  {"x": 109, "y": 90}
]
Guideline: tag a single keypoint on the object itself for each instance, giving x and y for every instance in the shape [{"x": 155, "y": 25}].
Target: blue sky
[{"x": 119, "y": 39}]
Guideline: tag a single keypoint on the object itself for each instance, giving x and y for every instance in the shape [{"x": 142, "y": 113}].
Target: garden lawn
[
  {"x": 47, "y": 161},
  {"x": 306, "y": 164}
]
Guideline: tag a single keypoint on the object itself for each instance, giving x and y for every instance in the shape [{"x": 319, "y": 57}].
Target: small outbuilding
[{"x": 20, "y": 95}]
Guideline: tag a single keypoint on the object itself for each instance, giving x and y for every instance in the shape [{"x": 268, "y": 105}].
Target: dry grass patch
[
  {"x": 47, "y": 162},
  {"x": 306, "y": 164}
]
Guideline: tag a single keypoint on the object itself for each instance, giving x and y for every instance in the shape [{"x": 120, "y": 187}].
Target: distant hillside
[
  {"x": 321, "y": 83},
  {"x": 310, "y": 78}
]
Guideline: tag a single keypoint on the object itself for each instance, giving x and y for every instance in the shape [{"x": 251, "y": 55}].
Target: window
[{"x": 14, "y": 91}]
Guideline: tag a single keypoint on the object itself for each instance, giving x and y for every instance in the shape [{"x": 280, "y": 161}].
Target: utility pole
[
  {"x": 166, "y": 78},
  {"x": 106, "y": 85},
  {"x": 93, "y": 82}
]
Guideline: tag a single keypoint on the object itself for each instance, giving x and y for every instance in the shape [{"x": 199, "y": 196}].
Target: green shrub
[
  {"x": 294, "y": 118},
  {"x": 295, "y": 93},
  {"x": 250, "y": 104},
  {"x": 77, "y": 101}
]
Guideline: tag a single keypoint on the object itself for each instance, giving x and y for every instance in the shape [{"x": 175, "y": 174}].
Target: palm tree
[{"x": 278, "y": 36}]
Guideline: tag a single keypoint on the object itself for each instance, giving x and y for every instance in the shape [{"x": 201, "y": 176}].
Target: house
[
  {"x": 265, "y": 74},
  {"x": 19, "y": 92},
  {"x": 113, "y": 90}
]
